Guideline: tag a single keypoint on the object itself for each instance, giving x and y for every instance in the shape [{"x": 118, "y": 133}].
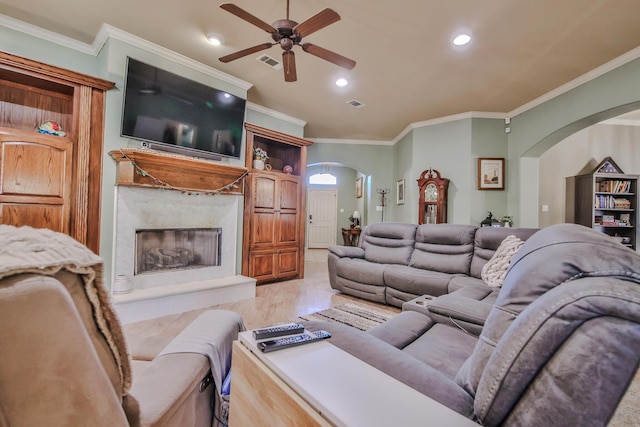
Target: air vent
[
  {"x": 356, "y": 103},
  {"x": 269, "y": 61}
]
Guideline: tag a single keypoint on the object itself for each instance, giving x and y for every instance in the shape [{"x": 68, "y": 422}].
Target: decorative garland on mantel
[{"x": 165, "y": 185}]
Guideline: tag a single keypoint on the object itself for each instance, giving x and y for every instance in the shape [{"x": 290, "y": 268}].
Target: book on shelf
[{"x": 614, "y": 186}]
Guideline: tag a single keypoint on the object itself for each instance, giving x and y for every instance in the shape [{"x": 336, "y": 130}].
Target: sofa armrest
[
  {"x": 347, "y": 251},
  {"x": 168, "y": 393}
]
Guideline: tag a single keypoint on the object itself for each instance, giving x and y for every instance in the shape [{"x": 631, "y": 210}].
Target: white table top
[{"x": 349, "y": 392}]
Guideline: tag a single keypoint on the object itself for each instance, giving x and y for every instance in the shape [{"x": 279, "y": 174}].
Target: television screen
[{"x": 172, "y": 113}]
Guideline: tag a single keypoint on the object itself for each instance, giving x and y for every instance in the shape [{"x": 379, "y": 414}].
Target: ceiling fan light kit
[{"x": 288, "y": 34}]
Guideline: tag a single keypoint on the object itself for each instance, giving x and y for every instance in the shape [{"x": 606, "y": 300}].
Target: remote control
[
  {"x": 278, "y": 331},
  {"x": 280, "y": 343}
]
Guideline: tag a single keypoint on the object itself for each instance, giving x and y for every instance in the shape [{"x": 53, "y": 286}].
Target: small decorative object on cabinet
[
  {"x": 51, "y": 140},
  {"x": 274, "y": 206},
  {"x": 607, "y": 200},
  {"x": 432, "y": 204}
]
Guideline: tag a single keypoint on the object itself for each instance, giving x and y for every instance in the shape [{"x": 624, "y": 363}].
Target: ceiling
[{"x": 407, "y": 69}]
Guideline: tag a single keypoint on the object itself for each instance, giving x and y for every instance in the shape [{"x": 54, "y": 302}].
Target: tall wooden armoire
[{"x": 274, "y": 206}]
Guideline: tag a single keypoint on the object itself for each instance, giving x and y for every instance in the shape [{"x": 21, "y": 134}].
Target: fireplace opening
[{"x": 177, "y": 249}]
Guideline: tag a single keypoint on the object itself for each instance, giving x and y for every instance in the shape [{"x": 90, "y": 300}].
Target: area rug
[{"x": 354, "y": 315}]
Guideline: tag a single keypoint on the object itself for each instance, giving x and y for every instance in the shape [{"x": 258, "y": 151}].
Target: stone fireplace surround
[{"x": 146, "y": 206}]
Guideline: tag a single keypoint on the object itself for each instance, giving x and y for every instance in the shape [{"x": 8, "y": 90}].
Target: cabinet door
[
  {"x": 264, "y": 216},
  {"x": 263, "y": 265},
  {"x": 288, "y": 221},
  {"x": 288, "y": 262},
  {"x": 36, "y": 181}
]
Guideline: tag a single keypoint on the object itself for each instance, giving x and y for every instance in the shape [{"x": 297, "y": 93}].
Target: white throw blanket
[{"x": 42, "y": 251}]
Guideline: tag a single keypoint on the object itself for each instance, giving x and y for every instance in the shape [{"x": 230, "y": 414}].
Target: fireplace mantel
[{"x": 146, "y": 168}]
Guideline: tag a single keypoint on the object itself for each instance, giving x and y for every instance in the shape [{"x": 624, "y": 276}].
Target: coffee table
[{"x": 318, "y": 384}]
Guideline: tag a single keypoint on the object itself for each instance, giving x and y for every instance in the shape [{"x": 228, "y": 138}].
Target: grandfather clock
[{"x": 432, "y": 207}]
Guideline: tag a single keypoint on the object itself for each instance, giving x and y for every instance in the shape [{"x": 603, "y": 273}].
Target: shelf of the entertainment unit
[{"x": 148, "y": 168}]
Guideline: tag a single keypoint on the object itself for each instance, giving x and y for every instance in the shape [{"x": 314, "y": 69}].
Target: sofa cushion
[
  {"x": 495, "y": 269},
  {"x": 388, "y": 242},
  {"x": 460, "y": 282},
  {"x": 487, "y": 240},
  {"x": 359, "y": 270},
  {"x": 416, "y": 281},
  {"x": 447, "y": 248},
  {"x": 443, "y": 347}
]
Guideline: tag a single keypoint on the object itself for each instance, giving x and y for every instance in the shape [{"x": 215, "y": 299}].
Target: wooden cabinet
[
  {"x": 432, "y": 203},
  {"x": 607, "y": 200},
  {"x": 49, "y": 181},
  {"x": 274, "y": 208}
]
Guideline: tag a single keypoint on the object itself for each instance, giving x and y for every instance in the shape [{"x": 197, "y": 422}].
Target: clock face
[{"x": 431, "y": 193}]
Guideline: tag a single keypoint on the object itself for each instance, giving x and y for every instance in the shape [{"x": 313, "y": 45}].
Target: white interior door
[{"x": 322, "y": 218}]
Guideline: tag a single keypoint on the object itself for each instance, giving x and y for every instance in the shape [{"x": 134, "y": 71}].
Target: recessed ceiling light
[
  {"x": 215, "y": 39},
  {"x": 341, "y": 82},
  {"x": 462, "y": 39}
]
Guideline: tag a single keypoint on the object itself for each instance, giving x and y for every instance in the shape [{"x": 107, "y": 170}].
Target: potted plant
[
  {"x": 506, "y": 221},
  {"x": 259, "y": 158}
]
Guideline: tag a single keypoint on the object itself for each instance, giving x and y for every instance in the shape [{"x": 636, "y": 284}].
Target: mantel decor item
[
  {"x": 358, "y": 187},
  {"x": 491, "y": 173},
  {"x": 400, "y": 192}
]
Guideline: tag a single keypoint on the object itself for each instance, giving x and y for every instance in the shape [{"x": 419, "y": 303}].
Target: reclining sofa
[
  {"x": 559, "y": 346},
  {"x": 397, "y": 262},
  {"x": 65, "y": 361}
]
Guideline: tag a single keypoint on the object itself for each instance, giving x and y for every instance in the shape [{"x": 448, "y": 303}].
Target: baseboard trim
[{"x": 151, "y": 303}]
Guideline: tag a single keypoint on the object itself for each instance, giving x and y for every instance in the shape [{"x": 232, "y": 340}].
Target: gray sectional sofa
[
  {"x": 559, "y": 346},
  {"x": 396, "y": 262}
]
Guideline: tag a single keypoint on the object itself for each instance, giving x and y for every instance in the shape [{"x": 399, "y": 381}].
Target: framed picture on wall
[
  {"x": 358, "y": 188},
  {"x": 491, "y": 173},
  {"x": 400, "y": 192}
]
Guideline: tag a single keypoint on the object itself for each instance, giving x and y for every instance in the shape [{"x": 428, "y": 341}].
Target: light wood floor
[
  {"x": 274, "y": 303},
  {"x": 284, "y": 301}
]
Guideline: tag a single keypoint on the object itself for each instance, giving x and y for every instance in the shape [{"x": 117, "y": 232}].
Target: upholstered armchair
[{"x": 64, "y": 359}]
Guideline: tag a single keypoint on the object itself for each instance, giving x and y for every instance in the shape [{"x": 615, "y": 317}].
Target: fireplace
[{"x": 177, "y": 248}]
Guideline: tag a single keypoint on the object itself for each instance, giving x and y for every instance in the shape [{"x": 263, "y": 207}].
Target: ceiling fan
[{"x": 287, "y": 34}]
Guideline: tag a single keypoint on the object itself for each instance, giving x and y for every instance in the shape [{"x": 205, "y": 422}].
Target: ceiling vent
[
  {"x": 356, "y": 103},
  {"x": 269, "y": 61}
]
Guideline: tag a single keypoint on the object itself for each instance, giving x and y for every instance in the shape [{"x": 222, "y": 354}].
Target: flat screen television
[{"x": 172, "y": 113}]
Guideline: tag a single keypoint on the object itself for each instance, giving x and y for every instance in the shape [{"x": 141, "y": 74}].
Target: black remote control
[
  {"x": 278, "y": 331},
  {"x": 280, "y": 343}
]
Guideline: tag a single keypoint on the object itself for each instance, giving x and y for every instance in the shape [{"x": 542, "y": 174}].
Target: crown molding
[
  {"x": 351, "y": 141},
  {"x": 107, "y": 31},
  {"x": 277, "y": 115},
  {"x": 625, "y": 58},
  {"x": 50, "y": 36},
  {"x": 448, "y": 119}
]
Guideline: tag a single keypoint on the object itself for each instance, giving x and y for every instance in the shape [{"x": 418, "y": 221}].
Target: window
[{"x": 322, "y": 179}]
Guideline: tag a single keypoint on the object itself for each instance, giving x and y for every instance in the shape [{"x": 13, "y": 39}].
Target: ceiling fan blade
[
  {"x": 243, "y": 14},
  {"x": 245, "y": 52},
  {"x": 289, "y": 66},
  {"x": 316, "y": 22},
  {"x": 327, "y": 55}
]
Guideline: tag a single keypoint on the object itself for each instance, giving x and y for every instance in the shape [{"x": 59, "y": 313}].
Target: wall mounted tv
[{"x": 171, "y": 113}]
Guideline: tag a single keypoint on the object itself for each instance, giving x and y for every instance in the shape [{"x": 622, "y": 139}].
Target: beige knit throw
[
  {"x": 42, "y": 251},
  {"x": 495, "y": 270}
]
